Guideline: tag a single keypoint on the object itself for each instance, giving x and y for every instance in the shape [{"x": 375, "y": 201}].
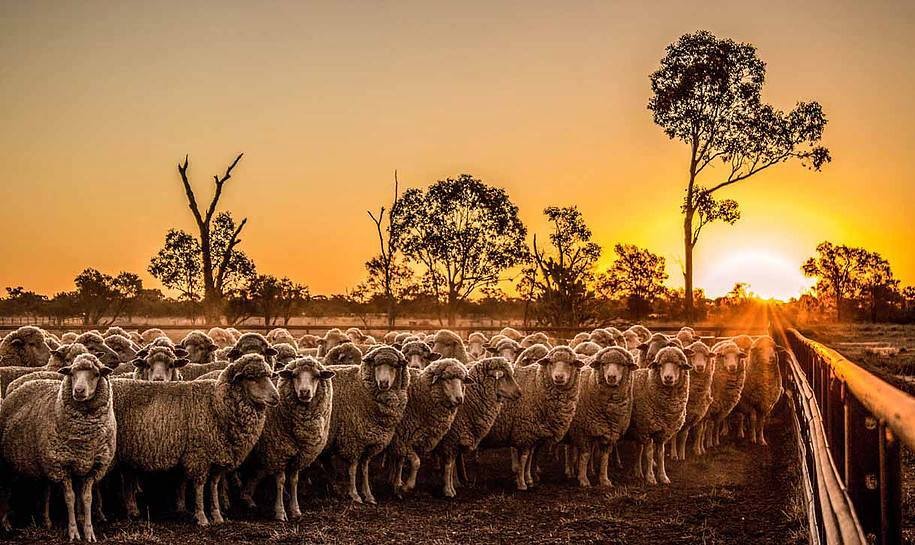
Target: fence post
[
  {"x": 862, "y": 468},
  {"x": 890, "y": 487}
]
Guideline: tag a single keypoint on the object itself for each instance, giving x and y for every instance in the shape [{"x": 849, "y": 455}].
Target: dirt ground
[{"x": 738, "y": 494}]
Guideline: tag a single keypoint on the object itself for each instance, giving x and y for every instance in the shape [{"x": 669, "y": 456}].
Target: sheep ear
[
  {"x": 321, "y": 342},
  {"x": 234, "y": 354},
  {"x": 65, "y": 370},
  {"x": 655, "y": 364},
  {"x": 434, "y": 378},
  {"x": 139, "y": 363},
  {"x": 285, "y": 373},
  {"x": 643, "y": 346},
  {"x": 581, "y": 361},
  {"x": 105, "y": 371},
  {"x": 180, "y": 362},
  {"x": 143, "y": 353},
  {"x": 60, "y": 352},
  {"x": 397, "y": 346},
  {"x": 689, "y": 352},
  {"x": 595, "y": 363},
  {"x": 16, "y": 342},
  {"x": 434, "y": 356},
  {"x": 490, "y": 349},
  {"x": 469, "y": 380},
  {"x": 180, "y": 352},
  {"x": 742, "y": 354},
  {"x": 270, "y": 352},
  {"x": 686, "y": 364},
  {"x": 544, "y": 361},
  {"x": 326, "y": 374}
]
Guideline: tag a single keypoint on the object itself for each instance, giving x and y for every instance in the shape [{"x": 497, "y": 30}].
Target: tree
[
  {"x": 387, "y": 276},
  {"x": 276, "y": 298},
  {"x": 837, "y": 270},
  {"x": 638, "y": 275},
  {"x": 20, "y": 301},
  {"x": 876, "y": 284},
  {"x": 215, "y": 266},
  {"x": 559, "y": 283},
  {"x": 464, "y": 232},
  {"x": 178, "y": 264},
  {"x": 98, "y": 295},
  {"x": 707, "y": 93}
]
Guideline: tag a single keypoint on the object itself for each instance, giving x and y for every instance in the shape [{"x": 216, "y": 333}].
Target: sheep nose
[
  {"x": 79, "y": 393},
  {"x": 459, "y": 400},
  {"x": 612, "y": 381},
  {"x": 732, "y": 368},
  {"x": 384, "y": 385}
]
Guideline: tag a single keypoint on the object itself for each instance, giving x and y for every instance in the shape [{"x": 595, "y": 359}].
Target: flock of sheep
[{"x": 227, "y": 409}]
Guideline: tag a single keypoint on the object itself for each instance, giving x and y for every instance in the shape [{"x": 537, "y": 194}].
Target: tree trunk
[{"x": 688, "y": 305}]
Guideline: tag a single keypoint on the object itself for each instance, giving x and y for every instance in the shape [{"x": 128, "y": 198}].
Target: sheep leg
[
  {"x": 395, "y": 476},
  {"x": 279, "y": 509},
  {"x": 215, "y": 512},
  {"x": 181, "y": 497},
  {"x": 46, "y": 512},
  {"x": 461, "y": 468},
  {"x": 670, "y": 446},
  {"x": 720, "y": 429},
  {"x": 638, "y": 465},
  {"x": 415, "y": 462},
  {"x": 520, "y": 482},
  {"x": 531, "y": 461},
  {"x": 662, "y": 470},
  {"x": 294, "y": 510},
  {"x": 680, "y": 443},
  {"x": 130, "y": 494},
  {"x": 224, "y": 481},
  {"x": 367, "y": 481},
  {"x": 88, "y": 531},
  {"x": 514, "y": 452},
  {"x": 761, "y": 429},
  {"x": 247, "y": 491},
  {"x": 604, "y": 466},
  {"x": 199, "y": 485},
  {"x": 753, "y": 424},
  {"x": 741, "y": 433},
  {"x": 584, "y": 456},
  {"x": 70, "y": 500},
  {"x": 448, "y": 474},
  {"x": 618, "y": 460},
  {"x": 351, "y": 472},
  {"x": 99, "y": 505},
  {"x": 650, "y": 460}
]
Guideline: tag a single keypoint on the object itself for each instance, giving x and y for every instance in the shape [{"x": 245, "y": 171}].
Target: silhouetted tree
[
  {"x": 276, "y": 298},
  {"x": 98, "y": 295},
  {"x": 464, "y": 232},
  {"x": 707, "y": 94},
  {"x": 215, "y": 265},
  {"x": 387, "y": 276},
  {"x": 178, "y": 265},
  {"x": 22, "y": 302},
  {"x": 837, "y": 270},
  {"x": 559, "y": 281},
  {"x": 876, "y": 284},
  {"x": 638, "y": 275}
]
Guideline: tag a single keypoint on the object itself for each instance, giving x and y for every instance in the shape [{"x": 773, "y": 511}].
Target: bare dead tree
[
  {"x": 384, "y": 264},
  {"x": 214, "y": 274}
]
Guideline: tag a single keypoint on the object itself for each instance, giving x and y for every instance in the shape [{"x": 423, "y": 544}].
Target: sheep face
[
  {"x": 613, "y": 365},
  {"x": 85, "y": 373},
  {"x": 701, "y": 362},
  {"x": 252, "y": 343},
  {"x": 199, "y": 348},
  {"x": 65, "y": 355},
  {"x": 476, "y": 346},
  {"x": 386, "y": 363},
  {"x": 285, "y": 354},
  {"x": 96, "y": 345},
  {"x": 253, "y": 375},
  {"x": 672, "y": 364},
  {"x": 729, "y": 358},
  {"x": 446, "y": 346},
  {"x": 419, "y": 354},
  {"x": 30, "y": 345},
  {"x": 159, "y": 365},
  {"x": 562, "y": 364},
  {"x": 764, "y": 352},
  {"x": 631, "y": 339},
  {"x": 452, "y": 390},
  {"x": 306, "y": 379},
  {"x": 502, "y": 377},
  {"x": 531, "y": 355}
]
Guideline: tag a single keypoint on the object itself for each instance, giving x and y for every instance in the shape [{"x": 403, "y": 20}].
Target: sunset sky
[{"x": 99, "y": 100}]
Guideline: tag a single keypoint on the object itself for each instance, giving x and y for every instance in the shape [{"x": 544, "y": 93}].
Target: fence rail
[{"x": 852, "y": 425}]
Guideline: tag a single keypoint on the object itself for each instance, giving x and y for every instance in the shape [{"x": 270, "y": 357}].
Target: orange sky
[{"x": 101, "y": 99}]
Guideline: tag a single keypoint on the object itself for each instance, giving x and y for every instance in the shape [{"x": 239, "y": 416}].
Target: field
[{"x": 737, "y": 494}]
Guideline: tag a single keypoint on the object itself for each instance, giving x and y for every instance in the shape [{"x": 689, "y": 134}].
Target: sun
[{"x": 769, "y": 275}]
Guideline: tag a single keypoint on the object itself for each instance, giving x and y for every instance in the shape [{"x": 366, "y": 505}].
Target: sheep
[
  {"x": 389, "y": 337},
  {"x": 418, "y": 354},
  {"x": 603, "y": 338},
  {"x": 308, "y": 341},
  {"x": 727, "y": 385},
  {"x": 221, "y": 337},
  {"x": 659, "y": 396},
  {"x": 512, "y": 334},
  {"x": 124, "y": 347},
  {"x": 687, "y": 335},
  {"x": 648, "y": 350},
  {"x": 295, "y": 432},
  {"x": 331, "y": 339},
  {"x": 531, "y": 355},
  {"x": 493, "y": 382},
  {"x": 369, "y": 402},
  {"x": 700, "y": 397},
  {"x": 96, "y": 345},
  {"x": 193, "y": 371},
  {"x": 152, "y": 334},
  {"x": 433, "y": 398},
  {"x": 616, "y": 334},
  {"x": 449, "y": 345},
  {"x": 579, "y": 338},
  {"x": 158, "y": 364},
  {"x": 744, "y": 342},
  {"x": 355, "y": 334},
  {"x": 115, "y": 330},
  {"x": 761, "y": 389},
  {"x": 68, "y": 338},
  {"x": 205, "y": 428},
  {"x": 589, "y": 349},
  {"x": 61, "y": 430},
  {"x": 535, "y": 338},
  {"x": 603, "y": 411},
  {"x": 476, "y": 345},
  {"x": 285, "y": 354},
  {"x": 24, "y": 347},
  {"x": 403, "y": 337},
  {"x": 236, "y": 334},
  {"x": 543, "y": 414},
  {"x": 643, "y": 332},
  {"x": 252, "y": 343},
  {"x": 200, "y": 348},
  {"x": 343, "y": 354},
  {"x": 631, "y": 340},
  {"x": 507, "y": 348},
  {"x": 60, "y": 357},
  {"x": 281, "y": 335}
]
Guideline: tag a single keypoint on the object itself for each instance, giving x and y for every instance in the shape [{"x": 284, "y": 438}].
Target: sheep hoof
[
  {"x": 249, "y": 502},
  {"x": 295, "y": 513},
  {"x": 370, "y": 500},
  {"x": 74, "y": 533},
  {"x": 651, "y": 480},
  {"x": 279, "y": 517},
  {"x": 202, "y": 520},
  {"x": 217, "y": 518},
  {"x": 664, "y": 479},
  {"x": 763, "y": 442},
  {"x": 584, "y": 483},
  {"x": 355, "y": 497},
  {"x": 450, "y": 493},
  {"x": 89, "y": 535},
  {"x": 606, "y": 483}
]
